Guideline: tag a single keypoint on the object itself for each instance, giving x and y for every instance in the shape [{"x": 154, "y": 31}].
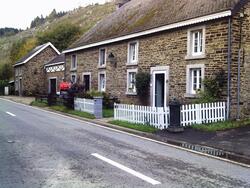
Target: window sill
[
  {"x": 102, "y": 67},
  {"x": 192, "y": 57},
  {"x": 75, "y": 69},
  {"x": 131, "y": 94},
  {"x": 192, "y": 96},
  {"x": 132, "y": 64}
]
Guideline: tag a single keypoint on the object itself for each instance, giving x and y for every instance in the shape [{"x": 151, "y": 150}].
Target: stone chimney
[{"x": 120, "y": 3}]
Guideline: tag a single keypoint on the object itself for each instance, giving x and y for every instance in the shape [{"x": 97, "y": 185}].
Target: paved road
[{"x": 50, "y": 150}]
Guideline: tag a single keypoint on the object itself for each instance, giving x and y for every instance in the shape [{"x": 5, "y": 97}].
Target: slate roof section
[
  {"x": 35, "y": 52},
  {"x": 60, "y": 59},
  {"x": 141, "y": 15}
]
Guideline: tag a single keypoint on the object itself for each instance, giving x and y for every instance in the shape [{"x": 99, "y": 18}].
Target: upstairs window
[
  {"x": 73, "y": 62},
  {"x": 102, "y": 57},
  {"x": 197, "y": 42},
  {"x": 133, "y": 53}
]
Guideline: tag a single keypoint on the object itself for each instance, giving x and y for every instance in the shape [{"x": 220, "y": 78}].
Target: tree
[
  {"x": 5, "y": 72},
  {"x": 61, "y": 35}
]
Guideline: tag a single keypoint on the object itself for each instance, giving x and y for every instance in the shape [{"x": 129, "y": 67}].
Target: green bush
[
  {"x": 3, "y": 83},
  {"x": 212, "y": 88},
  {"x": 142, "y": 84},
  {"x": 61, "y": 35}
]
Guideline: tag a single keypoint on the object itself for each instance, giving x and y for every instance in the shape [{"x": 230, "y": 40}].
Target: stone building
[
  {"x": 30, "y": 75},
  {"x": 180, "y": 43},
  {"x": 55, "y": 73}
]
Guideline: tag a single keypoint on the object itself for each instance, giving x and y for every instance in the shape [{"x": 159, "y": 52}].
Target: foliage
[
  {"x": 212, "y": 88},
  {"x": 21, "y": 47},
  {"x": 142, "y": 84},
  {"x": 139, "y": 127},
  {"x": 5, "y": 72},
  {"x": 4, "y": 32},
  {"x": 222, "y": 126},
  {"x": 61, "y": 36},
  {"x": 38, "y": 21},
  {"x": 3, "y": 83},
  {"x": 39, "y": 104},
  {"x": 108, "y": 113}
]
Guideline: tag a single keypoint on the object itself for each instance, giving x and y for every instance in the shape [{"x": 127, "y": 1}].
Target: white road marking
[
  {"x": 126, "y": 169},
  {"x": 13, "y": 115}
]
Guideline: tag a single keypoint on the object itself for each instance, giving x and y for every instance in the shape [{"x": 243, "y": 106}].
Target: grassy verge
[
  {"x": 222, "y": 126},
  {"x": 63, "y": 109},
  {"x": 39, "y": 104},
  {"x": 139, "y": 127},
  {"x": 107, "y": 113}
]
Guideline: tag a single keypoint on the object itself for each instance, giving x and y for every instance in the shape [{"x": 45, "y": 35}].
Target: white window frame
[
  {"x": 90, "y": 78},
  {"x": 129, "y": 61},
  {"x": 51, "y": 78},
  {"x": 190, "y": 92},
  {"x": 75, "y": 78},
  {"x": 99, "y": 81},
  {"x": 73, "y": 68},
  {"x": 105, "y": 58},
  {"x": 128, "y": 83},
  {"x": 190, "y": 43}
]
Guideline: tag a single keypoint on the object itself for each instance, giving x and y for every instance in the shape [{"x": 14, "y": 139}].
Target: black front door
[
  {"x": 86, "y": 82},
  {"x": 53, "y": 86}
]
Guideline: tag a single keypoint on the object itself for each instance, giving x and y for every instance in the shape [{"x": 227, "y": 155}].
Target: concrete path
[
  {"x": 23, "y": 100},
  {"x": 43, "y": 149}
]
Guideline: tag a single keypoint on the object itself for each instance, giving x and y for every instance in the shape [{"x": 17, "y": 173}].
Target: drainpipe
[
  {"x": 238, "y": 85},
  {"x": 229, "y": 69},
  {"x": 239, "y": 64}
]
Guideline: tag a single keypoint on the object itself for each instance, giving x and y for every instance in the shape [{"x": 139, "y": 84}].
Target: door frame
[
  {"x": 87, "y": 74},
  {"x": 159, "y": 70},
  {"x": 51, "y": 78}
]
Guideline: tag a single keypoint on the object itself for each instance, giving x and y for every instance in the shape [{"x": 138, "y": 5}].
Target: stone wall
[
  {"x": 33, "y": 73},
  {"x": 165, "y": 49}
]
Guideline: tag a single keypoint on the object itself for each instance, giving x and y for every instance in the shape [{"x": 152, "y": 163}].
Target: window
[
  {"x": 131, "y": 78},
  {"x": 73, "y": 62},
  {"x": 73, "y": 78},
  {"x": 133, "y": 53},
  {"x": 195, "y": 75},
  {"x": 102, "y": 82},
  {"x": 102, "y": 57},
  {"x": 196, "y": 43}
]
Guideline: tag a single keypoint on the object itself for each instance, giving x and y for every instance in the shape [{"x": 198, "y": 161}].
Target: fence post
[
  {"x": 115, "y": 108},
  {"x": 98, "y": 107},
  {"x": 198, "y": 113},
  {"x": 175, "y": 117}
]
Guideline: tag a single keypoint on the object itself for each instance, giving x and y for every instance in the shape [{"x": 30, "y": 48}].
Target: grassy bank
[
  {"x": 222, "y": 126},
  {"x": 138, "y": 127}
]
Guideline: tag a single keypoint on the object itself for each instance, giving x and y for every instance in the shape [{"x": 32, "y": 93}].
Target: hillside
[{"x": 85, "y": 17}]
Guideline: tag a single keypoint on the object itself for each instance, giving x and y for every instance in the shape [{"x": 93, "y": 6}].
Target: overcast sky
[{"x": 20, "y": 13}]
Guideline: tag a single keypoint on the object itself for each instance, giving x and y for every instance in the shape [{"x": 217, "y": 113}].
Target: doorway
[
  {"x": 52, "y": 86},
  {"x": 87, "y": 81},
  {"x": 160, "y": 87}
]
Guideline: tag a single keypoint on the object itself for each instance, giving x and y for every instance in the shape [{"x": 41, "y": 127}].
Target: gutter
[{"x": 155, "y": 30}]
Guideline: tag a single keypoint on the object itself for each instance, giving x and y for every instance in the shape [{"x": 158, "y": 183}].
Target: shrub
[
  {"x": 142, "y": 84},
  {"x": 212, "y": 88},
  {"x": 3, "y": 83}
]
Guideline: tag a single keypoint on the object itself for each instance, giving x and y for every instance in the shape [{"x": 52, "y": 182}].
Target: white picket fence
[
  {"x": 157, "y": 117},
  {"x": 84, "y": 105},
  {"x": 203, "y": 113}
]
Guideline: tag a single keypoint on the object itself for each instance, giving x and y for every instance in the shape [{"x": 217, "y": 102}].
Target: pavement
[
  {"x": 44, "y": 149},
  {"x": 235, "y": 140},
  {"x": 23, "y": 100}
]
